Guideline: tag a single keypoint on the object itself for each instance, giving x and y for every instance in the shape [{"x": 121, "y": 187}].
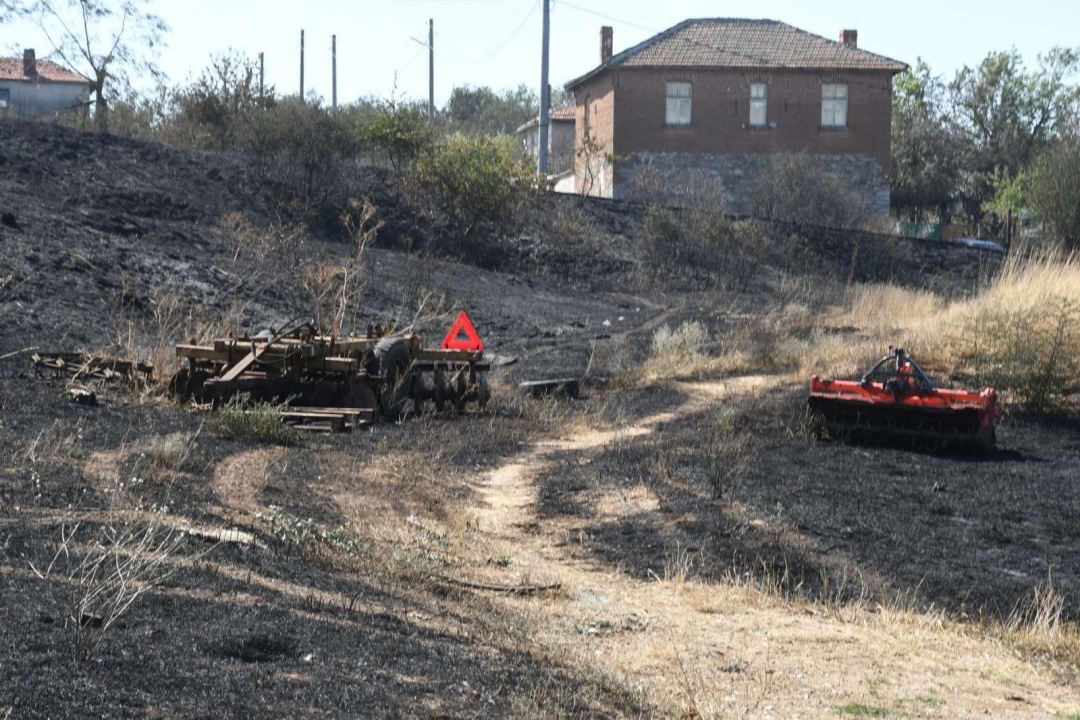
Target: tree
[
  {"x": 109, "y": 42},
  {"x": 483, "y": 110},
  {"x": 926, "y": 149},
  {"x": 1054, "y": 190},
  {"x": 1009, "y": 114}
]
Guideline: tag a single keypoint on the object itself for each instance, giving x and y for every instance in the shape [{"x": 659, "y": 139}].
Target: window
[
  {"x": 5, "y": 97},
  {"x": 758, "y": 101},
  {"x": 588, "y": 102},
  {"x": 678, "y": 103},
  {"x": 834, "y": 106}
]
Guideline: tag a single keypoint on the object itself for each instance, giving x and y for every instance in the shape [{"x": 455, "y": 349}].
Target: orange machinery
[{"x": 895, "y": 398}]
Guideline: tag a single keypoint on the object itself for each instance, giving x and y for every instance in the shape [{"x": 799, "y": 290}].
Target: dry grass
[
  {"x": 1036, "y": 627},
  {"x": 1020, "y": 334},
  {"x": 678, "y": 353}
]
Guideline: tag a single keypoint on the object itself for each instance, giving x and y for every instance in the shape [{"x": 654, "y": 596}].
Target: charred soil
[{"x": 324, "y": 578}]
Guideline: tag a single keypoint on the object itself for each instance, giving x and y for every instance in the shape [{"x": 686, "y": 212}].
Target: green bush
[
  {"x": 399, "y": 132},
  {"x": 475, "y": 178},
  {"x": 1055, "y": 191},
  {"x": 243, "y": 419}
]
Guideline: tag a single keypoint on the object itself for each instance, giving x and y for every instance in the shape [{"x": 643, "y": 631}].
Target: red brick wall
[
  {"x": 601, "y": 97},
  {"x": 720, "y": 113}
]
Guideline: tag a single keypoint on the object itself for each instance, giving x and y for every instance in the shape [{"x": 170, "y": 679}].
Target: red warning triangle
[{"x": 453, "y": 339}]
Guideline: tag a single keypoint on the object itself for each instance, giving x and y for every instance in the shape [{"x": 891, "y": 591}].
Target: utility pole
[
  {"x": 431, "y": 71},
  {"x": 333, "y": 53},
  {"x": 542, "y": 155},
  {"x": 301, "y": 67},
  {"x": 261, "y": 75}
]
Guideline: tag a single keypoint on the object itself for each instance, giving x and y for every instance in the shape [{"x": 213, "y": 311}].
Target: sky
[{"x": 381, "y": 44}]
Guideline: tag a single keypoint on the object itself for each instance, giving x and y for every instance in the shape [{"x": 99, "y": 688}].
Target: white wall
[{"x": 29, "y": 100}]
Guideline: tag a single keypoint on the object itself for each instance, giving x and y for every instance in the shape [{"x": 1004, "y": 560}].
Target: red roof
[
  {"x": 742, "y": 43},
  {"x": 47, "y": 71},
  {"x": 566, "y": 112}
]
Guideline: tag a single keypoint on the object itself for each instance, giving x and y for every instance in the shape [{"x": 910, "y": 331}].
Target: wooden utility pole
[
  {"x": 431, "y": 71},
  {"x": 545, "y": 95},
  {"x": 333, "y": 53},
  {"x": 301, "y": 67}
]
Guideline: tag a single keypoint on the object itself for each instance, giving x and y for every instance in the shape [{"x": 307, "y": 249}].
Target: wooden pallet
[{"x": 327, "y": 419}]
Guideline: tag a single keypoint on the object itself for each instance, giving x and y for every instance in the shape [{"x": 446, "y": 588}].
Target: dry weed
[{"x": 106, "y": 578}]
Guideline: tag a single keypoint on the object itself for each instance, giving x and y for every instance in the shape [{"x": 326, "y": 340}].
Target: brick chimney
[
  {"x": 29, "y": 63},
  {"x": 606, "y": 34},
  {"x": 850, "y": 38}
]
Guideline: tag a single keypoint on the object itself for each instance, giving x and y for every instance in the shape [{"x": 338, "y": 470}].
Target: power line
[
  {"x": 505, "y": 43},
  {"x": 411, "y": 60}
]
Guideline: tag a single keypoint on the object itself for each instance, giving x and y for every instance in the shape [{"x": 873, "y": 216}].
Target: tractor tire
[{"x": 394, "y": 365}]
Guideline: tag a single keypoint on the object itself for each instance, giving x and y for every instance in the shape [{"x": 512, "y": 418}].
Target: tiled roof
[
  {"x": 12, "y": 69},
  {"x": 567, "y": 112},
  {"x": 740, "y": 43}
]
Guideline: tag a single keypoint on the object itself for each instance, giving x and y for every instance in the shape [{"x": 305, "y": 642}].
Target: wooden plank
[
  {"x": 428, "y": 365},
  {"x": 244, "y": 363},
  {"x": 434, "y": 355},
  {"x": 274, "y": 354},
  {"x": 314, "y": 415},
  {"x": 337, "y": 410}
]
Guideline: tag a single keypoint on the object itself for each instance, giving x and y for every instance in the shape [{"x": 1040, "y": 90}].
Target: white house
[
  {"x": 560, "y": 139},
  {"x": 31, "y": 88}
]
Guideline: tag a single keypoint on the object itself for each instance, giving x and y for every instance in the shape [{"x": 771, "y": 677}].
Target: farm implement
[
  {"x": 896, "y": 399},
  {"x": 325, "y": 382}
]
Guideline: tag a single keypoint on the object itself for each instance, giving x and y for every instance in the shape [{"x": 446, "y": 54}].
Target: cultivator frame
[
  {"x": 896, "y": 399},
  {"x": 330, "y": 382}
]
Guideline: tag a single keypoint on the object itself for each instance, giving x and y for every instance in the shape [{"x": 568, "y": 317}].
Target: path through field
[{"x": 719, "y": 650}]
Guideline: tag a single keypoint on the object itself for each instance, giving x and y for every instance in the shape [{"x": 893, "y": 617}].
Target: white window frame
[
  {"x": 5, "y": 98},
  {"x": 759, "y": 104},
  {"x": 834, "y": 105},
  {"x": 679, "y": 107}
]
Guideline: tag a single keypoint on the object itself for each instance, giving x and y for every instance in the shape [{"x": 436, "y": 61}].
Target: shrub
[
  {"x": 681, "y": 347},
  {"x": 104, "y": 580},
  {"x": 660, "y": 224},
  {"x": 337, "y": 286},
  {"x": 309, "y": 145},
  {"x": 793, "y": 190},
  {"x": 216, "y": 110},
  {"x": 243, "y": 419},
  {"x": 1029, "y": 353},
  {"x": 475, "y": 178},
  {"x": 170, "y": 452},
  {"x": 399, "y": 132}
]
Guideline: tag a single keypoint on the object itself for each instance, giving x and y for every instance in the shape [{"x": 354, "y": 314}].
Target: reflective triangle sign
[{"x": 462, "y": 335}]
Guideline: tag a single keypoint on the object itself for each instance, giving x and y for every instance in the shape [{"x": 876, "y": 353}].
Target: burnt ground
[
  {"x": 97, "y": 227},
  {"x": 968, "y": 533}
]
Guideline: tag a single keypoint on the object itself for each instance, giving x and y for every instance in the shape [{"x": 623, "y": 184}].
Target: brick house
[
  {"x": 720, "y": 96},
  {"x": 30, "y": 87}
]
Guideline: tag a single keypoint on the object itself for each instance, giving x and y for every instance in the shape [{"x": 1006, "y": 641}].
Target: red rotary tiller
[{"x": 895, "y": 398}]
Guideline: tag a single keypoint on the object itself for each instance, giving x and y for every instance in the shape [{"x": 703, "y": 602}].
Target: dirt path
[{"x": 721, "y": 650}]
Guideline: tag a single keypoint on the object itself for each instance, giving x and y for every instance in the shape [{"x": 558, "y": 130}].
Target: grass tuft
[{"x": 243, "y": 419}]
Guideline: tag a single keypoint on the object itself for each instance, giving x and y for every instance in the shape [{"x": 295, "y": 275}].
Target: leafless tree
[{"x": 108, "y": 41}]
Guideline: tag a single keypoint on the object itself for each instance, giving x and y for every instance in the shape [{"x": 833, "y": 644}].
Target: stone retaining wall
[{"x": 674, "y": 174}]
